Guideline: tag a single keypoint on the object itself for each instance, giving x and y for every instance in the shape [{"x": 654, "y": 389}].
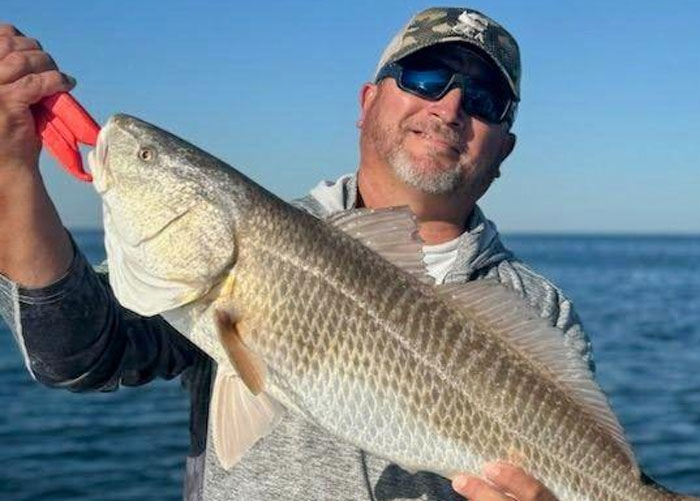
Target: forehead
[{"x": 460, "y": 58}]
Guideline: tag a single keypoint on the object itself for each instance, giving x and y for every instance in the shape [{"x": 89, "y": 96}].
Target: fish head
[{"x": 169, "y": 213}]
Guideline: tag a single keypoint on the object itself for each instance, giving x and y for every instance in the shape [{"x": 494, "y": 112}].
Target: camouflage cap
[{"x": 452, "y": 24}]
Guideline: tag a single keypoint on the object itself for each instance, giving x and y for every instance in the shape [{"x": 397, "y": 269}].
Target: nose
[{"x": 449, "y": 108}]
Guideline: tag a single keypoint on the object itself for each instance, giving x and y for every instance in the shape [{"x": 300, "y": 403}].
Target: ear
[
  {"x": 507, "y": 147},
  {"x": 368, "y": 92}
]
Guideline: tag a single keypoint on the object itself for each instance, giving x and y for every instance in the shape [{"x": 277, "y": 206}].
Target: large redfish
[{"x": 337, "y": 321}]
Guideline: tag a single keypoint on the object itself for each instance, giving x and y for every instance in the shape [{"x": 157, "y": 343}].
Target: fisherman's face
[{"x": 433, "y": 146}]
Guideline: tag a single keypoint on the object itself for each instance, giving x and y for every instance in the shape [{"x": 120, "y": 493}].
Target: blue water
[{"x": 639, "y": 298}]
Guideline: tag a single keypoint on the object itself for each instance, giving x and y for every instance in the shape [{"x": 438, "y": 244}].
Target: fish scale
[
  {"x": 442, "y": 380},
  {"x": 420, "y": 318},
  {"x": 420, "y": 312},
  {"x": 298, "y": 312}
]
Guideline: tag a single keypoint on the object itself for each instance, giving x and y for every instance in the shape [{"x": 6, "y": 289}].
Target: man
[{"x": 434, "y": 129}]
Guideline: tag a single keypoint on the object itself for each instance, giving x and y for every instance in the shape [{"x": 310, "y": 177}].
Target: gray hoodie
[{"x": 95, "y": 344}]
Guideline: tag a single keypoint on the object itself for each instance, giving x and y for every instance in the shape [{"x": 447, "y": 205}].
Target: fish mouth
[
  {"x": 98, "y": 158},
  {"x": 98, "y": 161}
]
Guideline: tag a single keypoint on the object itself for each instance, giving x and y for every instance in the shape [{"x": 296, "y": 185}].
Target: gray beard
[
  {"x": 419, "y": 174},
  {"x": 435, "y": 182}
]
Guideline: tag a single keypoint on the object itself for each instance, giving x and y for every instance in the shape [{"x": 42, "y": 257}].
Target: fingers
[
  {"x": 476, "y": 489},
  {"x": 27, "y": 73},
  {"x": 35, "y": 86},
  {"x": 504, "y": 482},
  {"x": 9, "y": 30},
  {"x": 15, "y": 44},
  {"x": 18, "y": 64},
  {"x": 522, "y": 485}
]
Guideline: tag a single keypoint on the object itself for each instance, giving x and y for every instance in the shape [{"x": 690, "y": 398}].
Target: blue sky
[{"x": 608, "y": 129}]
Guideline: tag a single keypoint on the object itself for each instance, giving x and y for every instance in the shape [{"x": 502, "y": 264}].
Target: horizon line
[{"x": 542, "y": 233}]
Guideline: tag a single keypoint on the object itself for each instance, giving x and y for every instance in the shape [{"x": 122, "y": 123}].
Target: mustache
[{"x": 439, "y": 131}]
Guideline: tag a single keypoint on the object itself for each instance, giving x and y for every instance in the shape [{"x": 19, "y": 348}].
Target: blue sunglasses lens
[
  {"x": 478, "y": 98},
  {"x": 428, "y": 83}
]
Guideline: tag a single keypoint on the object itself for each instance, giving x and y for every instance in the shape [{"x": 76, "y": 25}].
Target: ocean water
[{"x": 639, "y": 298}]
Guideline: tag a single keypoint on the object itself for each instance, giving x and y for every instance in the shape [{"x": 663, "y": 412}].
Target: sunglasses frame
[{"x": 395, "y": 70}]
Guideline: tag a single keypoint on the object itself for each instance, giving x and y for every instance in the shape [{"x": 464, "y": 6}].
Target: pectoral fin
[
  {"x": 249, "y": 366},
  {"x": 239, "y": 419}
]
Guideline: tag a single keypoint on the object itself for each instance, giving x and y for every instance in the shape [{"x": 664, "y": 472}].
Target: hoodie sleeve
[{"x": 74, "y": 334}]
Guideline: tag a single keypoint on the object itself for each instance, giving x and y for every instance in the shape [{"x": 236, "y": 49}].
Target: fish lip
[
  {"x": 98, "y": 158},
  {"x": 98, "y": 161}
]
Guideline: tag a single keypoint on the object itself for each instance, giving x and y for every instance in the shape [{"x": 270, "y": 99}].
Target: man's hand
[
  {"x": 505, "y": 483},
  {"x": 27, "y": 75},
  {"x": 34, "y": 247}
]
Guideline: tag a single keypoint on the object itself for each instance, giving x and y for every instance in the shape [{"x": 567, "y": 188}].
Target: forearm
[
  {"x": 74, "y": 334},
  {"x": 35, "y": 249}
]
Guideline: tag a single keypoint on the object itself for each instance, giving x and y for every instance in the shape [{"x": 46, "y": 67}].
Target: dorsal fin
[
  {"x": 514, "y": 320},
  {"x": 391, "y": 232}
]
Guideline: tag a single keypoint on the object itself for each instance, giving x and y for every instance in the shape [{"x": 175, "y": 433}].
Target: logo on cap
[{"x": 472, "y": 25}]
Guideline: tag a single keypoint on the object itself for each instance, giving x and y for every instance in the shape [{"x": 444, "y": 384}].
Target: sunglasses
[{"x": 431, "y": 80}]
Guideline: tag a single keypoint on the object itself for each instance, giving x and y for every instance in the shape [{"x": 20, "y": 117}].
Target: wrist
[
  {"x": 20, "y": 185},
  {"x": 34, "y": 246},
  {"x": 12, "y": 173}
]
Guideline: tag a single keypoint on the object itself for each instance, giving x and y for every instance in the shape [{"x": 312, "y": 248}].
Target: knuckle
[
  {"x": 508, "y": 475},
  {"x": 534, "y": 492},
  {"x": 50, "y": 60},
  {"x": 16, "y": 60},
  {"x": 34, "y": 43},
  {"x": 54, "y": 78},
  {"x": 8, "y": 28},
  {"x": 479, "y": 491},
  {"x": 29, "y": 82},
  {"x": 6, "y": 44},
  {"x": 473, "y": 488}
]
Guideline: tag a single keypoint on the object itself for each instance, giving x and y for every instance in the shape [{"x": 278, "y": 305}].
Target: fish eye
[{"x": 147, "y": 154}]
